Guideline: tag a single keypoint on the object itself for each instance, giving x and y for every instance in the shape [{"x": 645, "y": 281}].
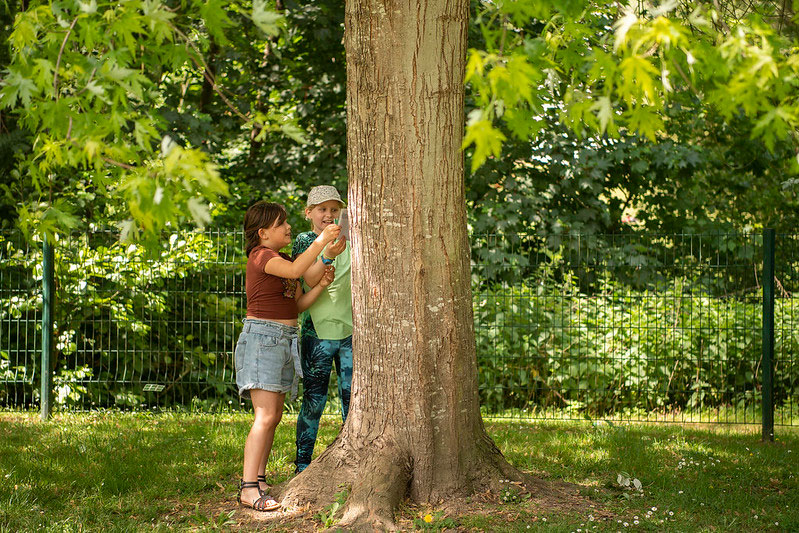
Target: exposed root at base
[
  {"x": 378, "y": 478},
  {"x": 377, "y": 481}
]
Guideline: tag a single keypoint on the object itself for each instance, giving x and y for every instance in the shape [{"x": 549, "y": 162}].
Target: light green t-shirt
[{"x": 331, "y": 313}]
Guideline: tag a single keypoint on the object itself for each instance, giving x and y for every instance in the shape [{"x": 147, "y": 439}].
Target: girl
[
  {"x": 326, "y": 337},
  {"x": 266, "y": 354}
]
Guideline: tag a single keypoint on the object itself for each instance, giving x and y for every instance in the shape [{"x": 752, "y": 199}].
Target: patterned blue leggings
[{"x": 317, "y": 358}]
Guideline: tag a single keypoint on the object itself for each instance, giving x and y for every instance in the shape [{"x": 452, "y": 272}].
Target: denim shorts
[{"x": 267, "y": 357}]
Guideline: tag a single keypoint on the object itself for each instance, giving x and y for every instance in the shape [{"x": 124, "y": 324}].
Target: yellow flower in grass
[{"x": 428, "y": 518}]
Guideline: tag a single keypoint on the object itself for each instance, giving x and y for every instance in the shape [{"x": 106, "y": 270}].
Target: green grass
[
  {"x": 693, "y": 479},
  {"x": 134, "y": 471}
]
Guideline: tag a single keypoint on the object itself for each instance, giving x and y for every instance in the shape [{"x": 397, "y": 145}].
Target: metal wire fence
[
  {"x": 633, "y": 327},
  {"x": 623, "y": 327}
]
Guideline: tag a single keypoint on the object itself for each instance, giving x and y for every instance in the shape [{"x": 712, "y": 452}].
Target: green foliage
[
  {"x": 610, "y": 68},
  {"x": 97, "y": 107},
  {"x": 155, "y": 468},
  {"x": 707, "y": 178},
  {"x": 588, "y": 327},
  {"x": 513, "y": 492},
  {"x": 547, "y": 61},
  {"x": 630, "y": 485},
  {"x": 306, "y": 74},
  {"x": 220, "y": 522},
  {"x": 123, "y": 319},
  {"x": 327, "y": 516},
  {"x": 674, "y": 348}
]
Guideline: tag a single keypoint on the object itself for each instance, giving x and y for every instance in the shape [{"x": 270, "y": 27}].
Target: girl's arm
[
  {"x": 282, "y": 268},
  {"x": 332, "y": 250},
  {"x": 314, "y": 273},
  {"x": 306, "y": 300}
]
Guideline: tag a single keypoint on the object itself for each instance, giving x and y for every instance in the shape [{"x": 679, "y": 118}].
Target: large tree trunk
[{"x": 414, "y": 426}]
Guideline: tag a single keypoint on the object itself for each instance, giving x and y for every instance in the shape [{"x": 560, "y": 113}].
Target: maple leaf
[
  {"x": 267, "y": 21},
  {"x": 16, "y": 87}
]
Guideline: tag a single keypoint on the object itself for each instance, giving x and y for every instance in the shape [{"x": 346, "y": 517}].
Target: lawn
[{"x": 114, "y": 471}]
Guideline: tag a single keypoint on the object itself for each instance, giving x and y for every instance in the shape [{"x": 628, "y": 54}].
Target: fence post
[
  {"x": 48, "y": 294},
  {"x": 769, "y": 238}
]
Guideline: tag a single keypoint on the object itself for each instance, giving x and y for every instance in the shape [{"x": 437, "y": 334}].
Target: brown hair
[{"x": 261, "y": 215}]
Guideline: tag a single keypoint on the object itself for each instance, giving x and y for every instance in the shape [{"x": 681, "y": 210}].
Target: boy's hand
[
  {"x": 328, "y": 276},
  {"x": 333, "y": 249},
  {"x": 330, "y": 233}
]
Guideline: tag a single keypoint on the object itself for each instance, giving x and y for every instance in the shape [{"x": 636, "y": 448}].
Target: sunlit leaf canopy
[
  {"x": 153, "y": 115},
  {"x": 612, "y": 67},
  {"x": 90, "y": 82}
]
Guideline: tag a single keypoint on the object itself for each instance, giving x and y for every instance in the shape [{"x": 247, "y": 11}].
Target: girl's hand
[
  {"x": 330, "y": 233},
  {"x": 328, "y": 276},
  {"x": 333, "y": 249}
]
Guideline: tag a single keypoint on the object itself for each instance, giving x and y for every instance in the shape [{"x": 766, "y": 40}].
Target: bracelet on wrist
[{"x": 326, "y": 260}]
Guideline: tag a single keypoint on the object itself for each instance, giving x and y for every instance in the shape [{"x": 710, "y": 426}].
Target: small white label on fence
[{"x": 153, "y": 387}]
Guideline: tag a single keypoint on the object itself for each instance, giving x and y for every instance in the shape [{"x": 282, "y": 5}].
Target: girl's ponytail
[{"x": 261, "y": 215}]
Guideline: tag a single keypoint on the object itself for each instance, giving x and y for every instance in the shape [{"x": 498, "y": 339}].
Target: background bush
[
  {"x": 606, "y": 330},
  {"x": 676, "y": 348}
]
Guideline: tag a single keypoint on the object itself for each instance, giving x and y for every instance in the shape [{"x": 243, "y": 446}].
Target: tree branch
[
  {"x": 91, "y": 75},
  {"x": 782, "y": 15},
  {"x": 721, "y": 17},
  {"x": 685, "y": 77},
  {"x": 117, "y": 163},
  {"x": 207, "y": 75},
  {"x": 60, "y": 53}
]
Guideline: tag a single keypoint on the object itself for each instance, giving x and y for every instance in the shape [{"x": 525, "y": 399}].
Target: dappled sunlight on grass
[
  {"x": 132, "y": 471},
  {"x": 706, "y": 477}
]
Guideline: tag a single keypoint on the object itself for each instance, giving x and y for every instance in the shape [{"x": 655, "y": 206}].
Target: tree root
[
  {"x": 378, "y": 477},
  {"x": 381, "y": 484}
]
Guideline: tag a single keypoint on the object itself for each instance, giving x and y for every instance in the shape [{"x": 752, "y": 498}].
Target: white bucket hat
[{"x": 321, "y": 194}]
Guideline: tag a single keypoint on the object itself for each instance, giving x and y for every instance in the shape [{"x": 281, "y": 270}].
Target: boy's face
[{"x": 323, "y": 214}]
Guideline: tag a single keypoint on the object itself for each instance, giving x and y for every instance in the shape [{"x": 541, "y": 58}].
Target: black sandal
[
  {"x": 262, "y": 503},
  {"x": 261, "y": 479}
]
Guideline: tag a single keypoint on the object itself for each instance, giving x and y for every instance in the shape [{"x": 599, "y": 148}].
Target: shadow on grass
[{"x": 130, "y": 471}]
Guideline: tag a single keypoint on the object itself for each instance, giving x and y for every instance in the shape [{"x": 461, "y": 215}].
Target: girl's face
[
  {"x": 277, "y": 236},
  {"x": 323, "y": 214}
]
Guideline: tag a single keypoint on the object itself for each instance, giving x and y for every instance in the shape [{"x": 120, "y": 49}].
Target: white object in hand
[{"x": 344, "y": 222}]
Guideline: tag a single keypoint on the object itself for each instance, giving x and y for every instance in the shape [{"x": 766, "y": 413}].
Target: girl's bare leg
[{"x": 268, "y": 412}]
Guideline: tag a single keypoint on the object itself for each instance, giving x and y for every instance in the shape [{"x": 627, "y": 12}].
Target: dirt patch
[
  {"x": 529, "y": 504},
  {"x": 520, "y": 502}
]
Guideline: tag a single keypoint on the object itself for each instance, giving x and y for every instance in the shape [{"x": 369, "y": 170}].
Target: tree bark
[{"x": 414, "y": 427}]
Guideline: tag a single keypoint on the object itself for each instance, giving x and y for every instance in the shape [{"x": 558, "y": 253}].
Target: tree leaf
[
  {"x": 268, "y": 21},
  {"x": 15, "y": 87},
  {"x": 487, "y": 141},
  {"x": 216, "y": 19}
]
